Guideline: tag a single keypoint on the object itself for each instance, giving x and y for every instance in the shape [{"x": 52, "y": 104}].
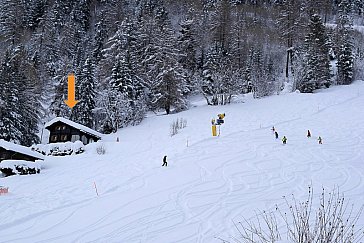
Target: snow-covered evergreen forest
[{"x": 134, "y": 56}]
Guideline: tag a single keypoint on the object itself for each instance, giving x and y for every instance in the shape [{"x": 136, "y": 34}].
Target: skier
[
  {"x": 165, "y": 160},
  {"x": 276, "y": 133},
  {"x": 284, "y": 140},
  {"x": 273, "y": 129},
  {"x": 319, "y": 140},
  {"x": 308, "y": 134}
]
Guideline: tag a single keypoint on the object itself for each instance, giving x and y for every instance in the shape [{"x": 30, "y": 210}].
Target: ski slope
[{"x": 207, "y": 185}]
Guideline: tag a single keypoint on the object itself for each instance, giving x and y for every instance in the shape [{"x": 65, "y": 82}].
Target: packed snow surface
[{"x": 208, "y": 185}]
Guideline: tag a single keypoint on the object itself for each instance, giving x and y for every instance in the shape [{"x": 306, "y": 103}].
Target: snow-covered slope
[{"x": 207, "y": 184}]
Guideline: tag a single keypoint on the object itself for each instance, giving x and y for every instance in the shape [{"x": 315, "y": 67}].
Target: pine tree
[
  {"x": 291, "y": 25},
  {"x": 10, "y": 113},
  {"x": 345, "y": 60},
  {"x": 162, "y": 72},
  {"x": 81, "y": 14},
  {"x": 34, "y": 11},
  {"x": 262, "y": 73},
  {"x": 317, "y": 57},
  {"x": 168, "y": 80},
  {"x": 58, "y": 107},
  {"x": 99, "y": 37},
  {"x": 11, "y": 15},
  {"x": 20, "y": 104},
  {"x": 122, "y": 51},
  {"x": 187, "y": 47},
  {"x": 217, "y": 85},
  {"x": 83, "y": 111}
]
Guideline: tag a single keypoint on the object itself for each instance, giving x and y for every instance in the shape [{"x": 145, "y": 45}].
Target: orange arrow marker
[{"x": 71, "y": 102}]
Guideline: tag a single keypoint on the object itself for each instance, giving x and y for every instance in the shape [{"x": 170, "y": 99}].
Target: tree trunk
[{"x": 167, "y": 107}]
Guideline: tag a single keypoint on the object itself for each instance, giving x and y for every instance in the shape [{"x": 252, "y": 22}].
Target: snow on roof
[
  {"x": 20, "y": 149},
  {"x": 75, "y": 125}
]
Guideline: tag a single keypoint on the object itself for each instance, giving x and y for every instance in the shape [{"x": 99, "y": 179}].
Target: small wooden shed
[
  {"x": 64, "y": 130},
  {"x": 12, "y": 151}
]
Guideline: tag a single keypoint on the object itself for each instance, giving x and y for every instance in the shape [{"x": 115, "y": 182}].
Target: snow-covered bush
[
  {"x": 60, "y": 149},
  {"x": 100, "y": 149},
  {"x": 328, "y": 218},
  {"x": 20, "y": 167},
  {"x": 177, "y": 125}
]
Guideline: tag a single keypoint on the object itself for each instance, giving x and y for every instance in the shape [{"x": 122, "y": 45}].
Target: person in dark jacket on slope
[
  {"x": 308, "y": 134},
  {"x": 165, "y": 160}
]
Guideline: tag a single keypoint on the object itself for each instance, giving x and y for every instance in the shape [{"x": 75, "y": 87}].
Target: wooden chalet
[
  {"x": 12, "y": 151},
  {"x": 64, "y": 130}
]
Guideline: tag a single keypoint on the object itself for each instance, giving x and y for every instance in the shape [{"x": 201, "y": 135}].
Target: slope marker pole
[{"x": 96, "y": 189}]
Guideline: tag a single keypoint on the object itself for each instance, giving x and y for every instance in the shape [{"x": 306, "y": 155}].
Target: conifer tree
[
  {"x": 10, "y": 113},
  {"x": 58, "y": 107},
  {"x": 20, "y": 104},
  {"x": 217, "y": 85},
  {"x": 11, "y": 15},
  {"x": 83, "y": 111},
  {"x": 345, "y": 58},
  {"x": 317, "y": 57},
  {"x": 187, "y": 47},
  {"x": 99, "y": 37},
  {"x": 291, "y": 26},
  {"x": 34, "y": 11},
  {"x": 163, "y": 73}
]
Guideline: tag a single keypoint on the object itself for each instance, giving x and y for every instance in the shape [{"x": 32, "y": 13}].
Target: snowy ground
[{"x": 207, "y": 185}]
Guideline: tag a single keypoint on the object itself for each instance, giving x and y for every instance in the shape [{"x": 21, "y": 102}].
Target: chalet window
[
  {"x": 75, "y": 138},
  {"x": 58, "y": 128},
  {"x": 84, "y": 139},
  {"x": 54, "y": 138},
  {"x": 63, "y": 127},
  {"x": 64, "y": 138}
]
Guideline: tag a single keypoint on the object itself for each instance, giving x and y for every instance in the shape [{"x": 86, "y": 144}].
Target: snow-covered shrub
[
  {"x": 328, "y": 218},
  {"x": 60, "y": 149},
  {"x": 40, "y": 148},
  {"x": 100, "y": 149},
  {"x": 78, "y": 147},
  {"x": 177, "y": 125},
  {"x": 20, "y": 167}
]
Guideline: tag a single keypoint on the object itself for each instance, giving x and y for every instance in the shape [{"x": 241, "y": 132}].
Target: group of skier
[{"x": 284, "y": 139}]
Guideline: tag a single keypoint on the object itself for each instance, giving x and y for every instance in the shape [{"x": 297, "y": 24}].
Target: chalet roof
[
  {"x": 74, "y": 125},
  {"x": 20, "y": 149}
]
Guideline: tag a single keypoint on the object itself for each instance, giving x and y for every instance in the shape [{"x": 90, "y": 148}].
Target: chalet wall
[{"x": 60, "y": 132}]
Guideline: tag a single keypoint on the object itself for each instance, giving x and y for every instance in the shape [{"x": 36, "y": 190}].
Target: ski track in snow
[{"x": 206, "y": 186}]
